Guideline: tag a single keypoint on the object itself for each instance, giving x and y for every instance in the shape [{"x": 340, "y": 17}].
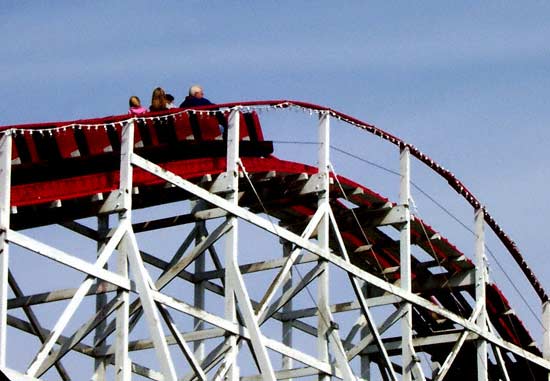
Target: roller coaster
[{"x": 122, "y": 245}]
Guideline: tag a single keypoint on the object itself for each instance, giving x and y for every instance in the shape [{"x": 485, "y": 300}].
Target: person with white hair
[{"x": 195, "y": 98}]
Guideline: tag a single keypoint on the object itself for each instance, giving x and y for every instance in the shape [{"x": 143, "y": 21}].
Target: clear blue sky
[{"x": 467, "y": 82}]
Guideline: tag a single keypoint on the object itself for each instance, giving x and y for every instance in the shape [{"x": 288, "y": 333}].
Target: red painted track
[{"x": 74, "y": 161}]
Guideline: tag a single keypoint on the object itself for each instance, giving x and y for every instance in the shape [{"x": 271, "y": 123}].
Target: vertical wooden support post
[
  {"x": 5, "y": 196},
  {"x": 100, "y": 363},
  {"x": 231, "y": 241},
  {"x": 122, "y": 360},
  {"x": 199, "y": 293},
  {"x": 126, "y": 169},
  {"x": 287, "y": 325},
  {"x": 481, "y": 281},
  {"x": 130, "y": 255},
  {"x": 405, "y": 268},
  {"x": 323, "y": 238}
]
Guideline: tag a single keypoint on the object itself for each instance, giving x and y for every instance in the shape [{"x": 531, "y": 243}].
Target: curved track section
[{"x": 202, "y": 313}]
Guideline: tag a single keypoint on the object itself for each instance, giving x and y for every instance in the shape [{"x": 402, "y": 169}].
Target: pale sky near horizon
[{"x": 467, "y": 82}]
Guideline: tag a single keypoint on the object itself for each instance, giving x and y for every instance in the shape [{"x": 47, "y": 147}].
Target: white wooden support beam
[
  {"x": 170, "y": 273},
  {"x": 343, "y": 307},
  {"x": 340, "y": 353},
  {"x": 327, "y": 334},
  {"x": 145, "y": 291},
  {"x": 182, "y": 344},
  {"x": 323, "y": 323},
  {"x": 130, "y": 253},
  {"x": 100, "y": 364},
  {"x": 407, "y": 350},
  {"x": 325, "y": 368},
  {"x": 67, "y": 259},
  {"x": 35, "y": 324},
  {"x": 225, "y": 367},
  {"x": 336, "y": 260},
  {"x": 138, "y": 345},
  {"x": 70, "y": 309},
  {"x": 253, "y": 267},
  {"x": 231, "y": 241},
  {"x": 122, "y": 321},
  {"x": 287, "y": 374},
  {"x": 235, "y": 329},
  {"x": 126, "y": 169},
  {"x": 5, "y": 197},
  {"x": 199, "y": 295},
  {"x": 291, "y": 292},
  {"x": 211, "y": 360},
  {"x": 357, "y": 289},
  {"x": 364, "y": 360},
  {"x": 192, "y": 236},
  {"x": 290, "y": 260},
  {"x": 359, "y": 325},
  {"x": 84, "y": 349},
  {"x": 75, "y": 339},
  {"x": 444, "y": 368},
  {"x": 173, "y": 269},
  {"x": 251, "y": 323},
  {"x": 480, "y": 293},
  {"x": 368, "y": 336},
  {"x": 13, "y": 375},
  {"x": 393, "y": 344},
  {"x": 287, "y": 333},
  {"x": 498, "y": 355},
  {"x": 501, "y": 363}
]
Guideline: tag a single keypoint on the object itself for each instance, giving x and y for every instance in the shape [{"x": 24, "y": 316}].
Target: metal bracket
[
  {"x": 113, "y": 204},
  {"x": 208, "y": 214},
  {"x": 222, "y": 184},
  {"x": 396, "y": 215},
  {"x": 314, "y": 184}
]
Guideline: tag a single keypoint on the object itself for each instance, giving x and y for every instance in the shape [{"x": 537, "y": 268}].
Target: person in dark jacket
[{"x": 195, "y": 98}]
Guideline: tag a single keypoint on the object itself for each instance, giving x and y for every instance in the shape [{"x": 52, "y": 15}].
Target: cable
[
  {"x": 295, "y": 142},
  {"x": 431, "y": 246},
  {"x": 364, "y": 234},
  {"x": 356, "y": 219},
  {"x": 327, "y": 321},
  {"x": 423, "y": 353},
  {"x": 514, "y": 286},
  {"x": 455, "y": 218},
  {"x": 365, "y": 161}
]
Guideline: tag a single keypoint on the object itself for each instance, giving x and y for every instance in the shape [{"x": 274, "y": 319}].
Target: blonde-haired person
[
  {"x": 135, "y": 106},
  {"x": 195, "y": 98},
  {"x": 158, "y": 100}
]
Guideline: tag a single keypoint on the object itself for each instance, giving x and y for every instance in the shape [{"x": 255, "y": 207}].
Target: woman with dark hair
[{"x": 158, "y": 100}]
